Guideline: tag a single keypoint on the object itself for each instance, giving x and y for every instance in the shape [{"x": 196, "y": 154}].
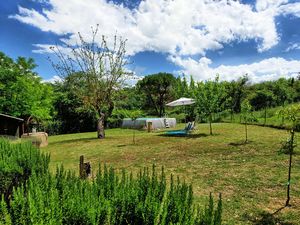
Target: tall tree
[
  {"x": 235, "y": 91},
  {"x": 22, "y": 92},
  {"x": 209, "y": 99},
  {"x": 158, "y": 88},
  {"x": 100, "y": 72},
  {"x": 262, "y": 99}
]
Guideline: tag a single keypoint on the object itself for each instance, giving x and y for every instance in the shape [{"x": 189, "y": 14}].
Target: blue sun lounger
[{"x": 183, "y": 132}]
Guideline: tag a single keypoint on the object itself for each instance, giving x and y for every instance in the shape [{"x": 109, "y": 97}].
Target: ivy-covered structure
[{"x": 11, "y": 126}]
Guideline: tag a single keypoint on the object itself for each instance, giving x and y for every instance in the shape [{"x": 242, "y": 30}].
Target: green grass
[
  {"x": 252, "y": 177},
  {"x": 273, "y": 119}
]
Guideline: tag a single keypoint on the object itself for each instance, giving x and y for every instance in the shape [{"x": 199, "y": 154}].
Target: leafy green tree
[
  {"x": 181, "y": 87},
  {"x": 129, "y": 98},
  {"x": 22, "y": 92},
  {"x": 292, "y": 114},
  {"x": 70, "y": 114},
  {"x": 235, "y": 91},
  {"x": 262, "y": 99},
  {"x": 209, "y": 99},
  {"x": 158, "y": 89},
  {"x": 282, "y": 91}
]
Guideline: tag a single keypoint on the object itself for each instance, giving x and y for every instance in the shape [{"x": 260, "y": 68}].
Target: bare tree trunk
[
  {"x": 100, "y": 126},
  {"x": 290, "y": 169}
]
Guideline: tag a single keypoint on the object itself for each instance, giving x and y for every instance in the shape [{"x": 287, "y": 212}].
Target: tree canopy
[
  {"x": 22, "y": 92},
  {"x": 158, "y": 89}
]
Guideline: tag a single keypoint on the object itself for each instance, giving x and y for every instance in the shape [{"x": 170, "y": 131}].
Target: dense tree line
[{"x": 68, "y": 106}]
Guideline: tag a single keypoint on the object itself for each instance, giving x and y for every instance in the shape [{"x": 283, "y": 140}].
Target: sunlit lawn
[{"x": 252, "y": 177}]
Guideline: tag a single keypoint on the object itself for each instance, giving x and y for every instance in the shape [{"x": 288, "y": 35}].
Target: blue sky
[{"x": 199, "y": 38}]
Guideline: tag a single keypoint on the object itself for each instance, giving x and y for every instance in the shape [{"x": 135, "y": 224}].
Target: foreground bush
[
  {"x": 17, "y": 163},
  {"x": 31, "y": 195},
  {"x": 108, "y": 199}
]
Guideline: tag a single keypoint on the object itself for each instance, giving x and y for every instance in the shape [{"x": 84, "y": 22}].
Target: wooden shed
[{"x": 11, "y": 126}]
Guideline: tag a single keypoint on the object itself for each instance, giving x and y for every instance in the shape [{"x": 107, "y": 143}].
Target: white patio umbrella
[{"x": 181, "y": 101}]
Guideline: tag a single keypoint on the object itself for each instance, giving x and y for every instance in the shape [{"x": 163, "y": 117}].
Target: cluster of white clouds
[
  {"x": 293, "y": 46},
  {"x": 181, "y": 28},
  {"x": 267, "y": 69}
]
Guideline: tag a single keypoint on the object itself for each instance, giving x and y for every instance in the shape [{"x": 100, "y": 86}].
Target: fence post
[
  {"x": 149, "y": 126},
  {"x": 81, "y": 167}
]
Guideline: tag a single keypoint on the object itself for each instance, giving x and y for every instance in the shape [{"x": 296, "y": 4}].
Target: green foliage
[
  {"x": 246, "y": 111},
  {"x": 235, "y": 92},
  {"x": 261, "y": 99},
  {"x": 158, "y": 89},
  {"x": 119, "y": 114},
  {"x": 17, "y": 162},
  {"x": 110, "y": 198},
  {"x": 291, "y": 113},
  {"x": 71, "y": 116},
  {"x": 286, "y": 146},
  {"x": 4, "y": 214},
  {"x": 209, "y": 98},
  {"x": 22, "y": 92}
]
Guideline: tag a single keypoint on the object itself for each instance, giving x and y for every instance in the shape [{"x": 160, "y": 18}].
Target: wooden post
[
  {"x": 149, "y": 126},
  {"x": 81, "y": 167}
]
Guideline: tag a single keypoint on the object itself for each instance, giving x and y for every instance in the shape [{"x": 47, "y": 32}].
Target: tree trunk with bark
[{"x": 100, "y": 126}]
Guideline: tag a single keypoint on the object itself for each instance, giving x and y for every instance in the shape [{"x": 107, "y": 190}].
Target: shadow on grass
[
  {"x": 266, "y": 218},
  {"x": 75, "y": 140},
  {"x": 184, "y": 136},
  {"x": 239, "y": 143},
  {"x": 197, "y": 135},
  {"x": 122, "y": 145}
]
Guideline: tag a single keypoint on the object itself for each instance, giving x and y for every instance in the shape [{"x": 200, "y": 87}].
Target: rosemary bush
[{"x": 109, "y": 198}]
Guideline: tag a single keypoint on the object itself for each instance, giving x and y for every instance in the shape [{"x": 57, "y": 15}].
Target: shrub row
[
  {"x": 39, "y": 197},
  {"x": 17, "y": 163}
]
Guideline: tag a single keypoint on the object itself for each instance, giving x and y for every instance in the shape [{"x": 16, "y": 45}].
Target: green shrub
[
  {"x": 110, "y": 198},
  {"x": 17, "y": 162},
  {"x": 31, "y": 195},
  {"x": 53, "y": 127}
]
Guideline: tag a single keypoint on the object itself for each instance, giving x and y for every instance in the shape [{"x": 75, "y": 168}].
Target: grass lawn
[{"x": 252, "y": 177}]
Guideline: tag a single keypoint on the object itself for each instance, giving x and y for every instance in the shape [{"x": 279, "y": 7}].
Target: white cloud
[
  {"x": 267, "y": 69},
  {"x": 184, "y": 27},
  {"x": 53, "y": 79},
  {"x": 180, "y": 28},
  {"x": 293, "y": 9},
  {"x": 262, "y": 5},
  {"x": 293, "y": 46}
]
